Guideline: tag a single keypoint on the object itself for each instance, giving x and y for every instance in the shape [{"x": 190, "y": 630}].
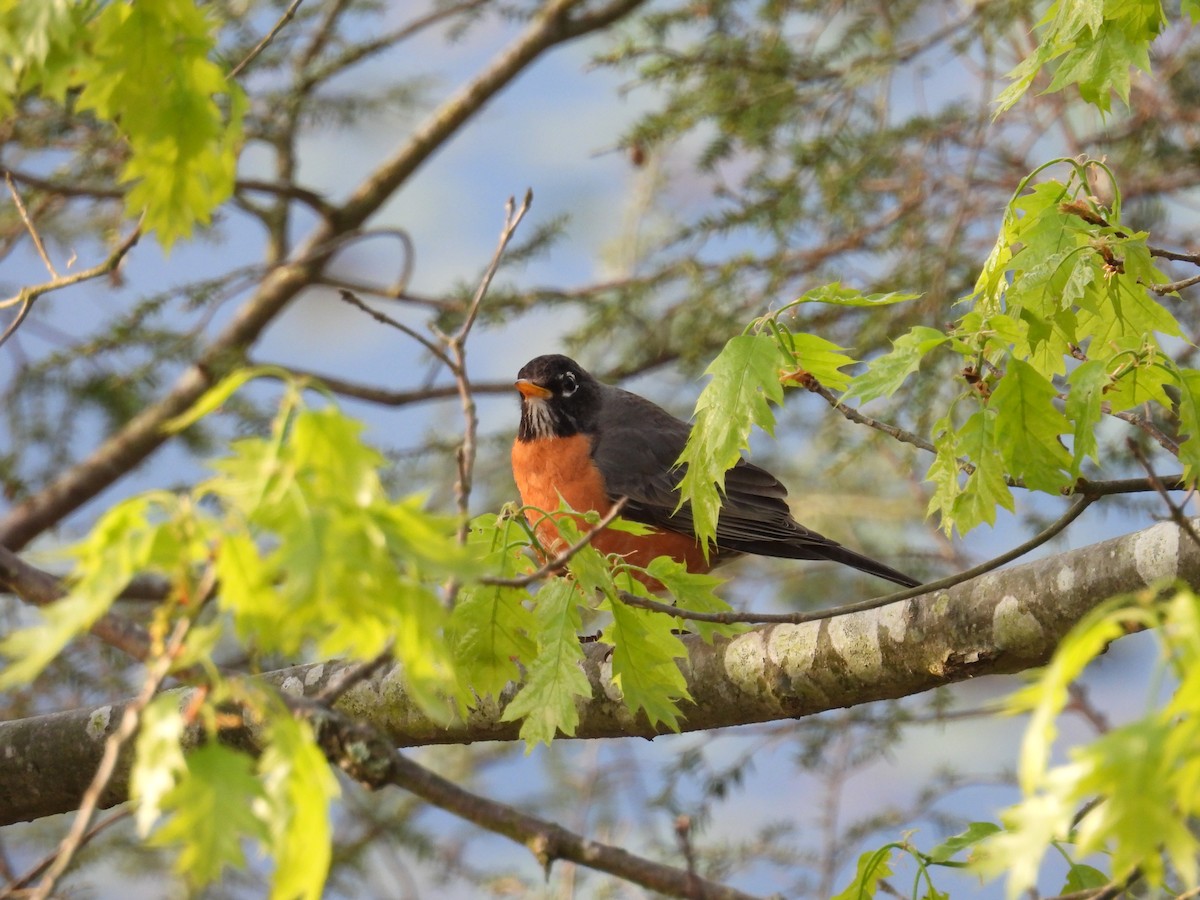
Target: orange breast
[{"x": 546, "y": 468}]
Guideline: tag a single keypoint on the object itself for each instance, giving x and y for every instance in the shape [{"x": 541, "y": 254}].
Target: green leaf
[
  {"x": 745, "y": 378},
  {"x": 1028, "y": 427},
  {"x": 546, "y": 702},
  {"x": 1189, "y": 421},
  {"x": 952, "y": 846},
  {"x": 212, "y": 813},
  {"x": 128, "y": 540},
  {"x": 985, "y": 488},
  {"x": 694, "y": 592},
  {"x": 886, "y": 373},
  {"x": 299, "y": 787},
  {"x": 150, "y": 71},
  {"x": 836, "y": 295},
  {"x": 944, "y": 473},
  {"x": 1085, "y": 409},
  {"x": 158, "y": 762},
  {"x": 821, "y": 359},
  {"x": 873, "y": 867},
  {"x": 643, "y": 661},
  {"x": 217, "y": 395},
  {"x": 1082, "y": 877}
]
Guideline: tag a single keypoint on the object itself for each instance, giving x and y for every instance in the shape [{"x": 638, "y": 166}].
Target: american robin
[{"x": 591, "y": 443}]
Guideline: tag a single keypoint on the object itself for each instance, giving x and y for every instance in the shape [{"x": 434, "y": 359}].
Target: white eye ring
[{"x": 569, "y": 385}]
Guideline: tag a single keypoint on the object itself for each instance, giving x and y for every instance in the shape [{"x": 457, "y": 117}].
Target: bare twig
[
  {"x": 29, "y": 226},
  {"x": 752, "y": 618},
  {"x": 270, "y": 36},
  {"x": 1177, "y": 514},
  {"x": 351, "y": 298},
  {"x": 376, "y": 763},
  {"x": 683, "y": 831},
  {"x": 354, "y": 675},
  {"x": 1172, "y": 286},
  {"x": 456, "y": 348},
  {"x": 10, "y": 890},
  {"x": 130, "y": 717},
  {"x": 560, "y": 559},
  {"x": 28, "y": 295},
  {"x": 854, "y": 415}
]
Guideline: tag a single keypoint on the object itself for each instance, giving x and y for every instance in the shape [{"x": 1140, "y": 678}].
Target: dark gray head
[{"x": 558, "y": 398}]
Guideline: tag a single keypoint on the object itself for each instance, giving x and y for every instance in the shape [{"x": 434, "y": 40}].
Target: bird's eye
[{"x": 568, "y": 384}]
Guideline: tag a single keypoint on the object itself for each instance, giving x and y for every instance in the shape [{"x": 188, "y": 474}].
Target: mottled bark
[{"x": 1003, "y": 622}]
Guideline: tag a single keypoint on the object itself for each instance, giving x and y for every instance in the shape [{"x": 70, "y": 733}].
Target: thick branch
[
  {"x": 1003, "y": 622},
  {"x": 144, "y": 433},
  {"x": 368, "y": 756}
]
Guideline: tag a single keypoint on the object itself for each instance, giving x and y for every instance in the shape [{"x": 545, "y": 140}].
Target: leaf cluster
[
  {"x": 1064, "y": 327},
  {"x": 291, "y": 548},
  {"x": 147, "y": 69}
]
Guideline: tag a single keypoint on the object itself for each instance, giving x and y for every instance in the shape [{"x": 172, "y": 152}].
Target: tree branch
[
  {"x": 144, "y": 433},
  {"x": 1002, "y": 622},
  {"x": 368, "y": 756}
]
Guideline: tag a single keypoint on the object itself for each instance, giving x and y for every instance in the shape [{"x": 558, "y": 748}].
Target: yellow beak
[{"x": 530, "y": 389}]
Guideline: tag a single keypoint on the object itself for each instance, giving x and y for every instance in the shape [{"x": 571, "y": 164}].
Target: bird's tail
[{"x": 846, "y": 556}]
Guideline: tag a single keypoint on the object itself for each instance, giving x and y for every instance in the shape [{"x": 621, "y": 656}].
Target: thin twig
[
  {"x": 560, "y": 559},
  {"x": 352, "y": 298},
  {"x": 1177, "y": 514},
  {"x": 753, "y": 618},
  {"x": 854, "y": 415},
  {"x": 130, "y": 717},
  {"x": 353, "y": 675},
  {"x": 28, "y": 295},
  {"x": 1173, "y": 286},
  {"x": 371, "y": 758},
  {"x": 29, "y": 226},
  {"x": 683, "y": 831},
  {"x": 45, "y": 862},
  {"x": 456, "y": 346},
  {"x": 270, "y": 36}
]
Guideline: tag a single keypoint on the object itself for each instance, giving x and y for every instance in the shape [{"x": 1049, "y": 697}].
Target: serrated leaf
[
  {"x": 493, "y": 632},
  {"x": 1028, "y": 427},
  {"x": 745, "y": 379},
  {"x": 821, "y": 359},
  {"x": 1085, "y": 409},
  {"x": 149, "y": 70},
  {"x": 694, "y": 592},
  {"x": 217, "y": 395},
  {"x": 952, "y": 846},
  {"x": 837, "y": 295},
  {"x": 944, "y": 473},
  {"x": 985, "y": 488},
  {"x": 873, "y": 866},
  {"x": 158, "y": 761},
  {"x": 212, "y": 813},
  {"x": 546, "y": 702},
  {"x": 124, "y": 543},
  {"x": 299, "y": 788},
  {"x": 1188, "y": 381},
  {"x": 643, "y": 662},
  {"x": 886, "y": 373}
]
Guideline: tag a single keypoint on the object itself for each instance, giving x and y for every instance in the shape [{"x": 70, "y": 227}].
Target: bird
[{"x": 589, "y": 444}]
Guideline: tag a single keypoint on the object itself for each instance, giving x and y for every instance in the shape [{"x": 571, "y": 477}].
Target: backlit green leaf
[
  {"x": 546, "y": 702},
  {"x": 745, "y": 379}
]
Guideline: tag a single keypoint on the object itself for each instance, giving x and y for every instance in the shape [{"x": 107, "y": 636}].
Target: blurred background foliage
[{"x": 694, "y": 164}]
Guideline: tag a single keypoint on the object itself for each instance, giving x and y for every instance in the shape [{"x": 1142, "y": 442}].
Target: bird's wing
[
  {"x": 636, "y": 448},
  {"x": 637, "y": 445}
]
